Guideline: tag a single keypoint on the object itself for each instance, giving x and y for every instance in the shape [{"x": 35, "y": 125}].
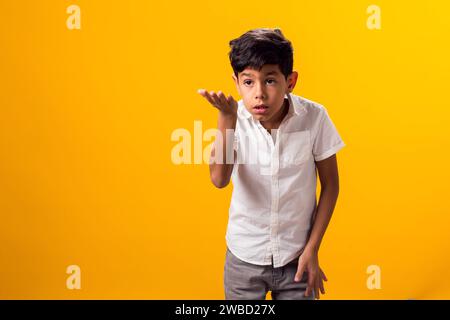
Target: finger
[
  {"x": 230, "y": 99},
  {"x": 308, "y": 290},
  {"x": 206, "y": 95},
  {"x": 203, "y": 93},
  {"x": 215, "y": 98},
  {"x": 232, "y": 102},
  {"x": 322, "y": 289},
  {"x": 311, "y": 282},
  {"x": 310, "y": 286},
  {"x": 316, "y": 288},
  {"x": 223, "y": 100},
  {"x": 299, "y": 274},
  {"x": 324, "y": 277}
]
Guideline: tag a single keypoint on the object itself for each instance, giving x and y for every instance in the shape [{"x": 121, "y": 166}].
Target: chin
[
  {"x": 261, "y": 117},
  {"x": 258, "y": 116}
]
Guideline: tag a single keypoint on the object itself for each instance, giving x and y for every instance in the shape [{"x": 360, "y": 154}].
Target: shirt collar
[{"x": 295, "y": 107}]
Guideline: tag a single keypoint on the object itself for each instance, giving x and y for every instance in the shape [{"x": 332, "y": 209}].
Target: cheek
[
  {"x": 277, "y": 93},
  {"x": 277, "y": 98},
  {"x": 244, "y": 93}
]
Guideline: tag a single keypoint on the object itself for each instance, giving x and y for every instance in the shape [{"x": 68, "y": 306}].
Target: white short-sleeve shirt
[{"x": 274, "y": 181}]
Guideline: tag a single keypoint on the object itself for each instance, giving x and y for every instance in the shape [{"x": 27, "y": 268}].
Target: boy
[{"x": 275, "y": 226}]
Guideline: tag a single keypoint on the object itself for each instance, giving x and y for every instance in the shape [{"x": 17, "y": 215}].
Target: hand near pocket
[{"x": 309, "y": 262}]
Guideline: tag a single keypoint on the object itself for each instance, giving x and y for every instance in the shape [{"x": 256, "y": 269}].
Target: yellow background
[{"x": 86, "y": 117}]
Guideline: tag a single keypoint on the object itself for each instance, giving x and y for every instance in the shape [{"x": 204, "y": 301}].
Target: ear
[{"x": 292, "y": 81}]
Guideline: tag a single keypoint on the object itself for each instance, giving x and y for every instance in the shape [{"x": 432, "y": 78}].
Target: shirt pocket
[{"x": 295, "y": 148}]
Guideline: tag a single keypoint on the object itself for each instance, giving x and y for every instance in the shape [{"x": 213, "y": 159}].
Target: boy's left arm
[{"x": 308, "y": 260}]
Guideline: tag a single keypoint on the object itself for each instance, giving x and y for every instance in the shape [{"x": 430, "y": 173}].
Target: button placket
[
  {"x": 275, "y": 165},
  {"x": 274, "y": 217}
]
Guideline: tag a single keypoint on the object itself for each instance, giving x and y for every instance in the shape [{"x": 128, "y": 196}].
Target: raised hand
[{"x": 227, "y": 106}]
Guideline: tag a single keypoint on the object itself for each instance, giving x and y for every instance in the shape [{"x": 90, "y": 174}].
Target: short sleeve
[{"x": 327, "y": 140}]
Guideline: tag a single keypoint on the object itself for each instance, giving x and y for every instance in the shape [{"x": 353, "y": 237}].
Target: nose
[{"x": 259, "y": 92}]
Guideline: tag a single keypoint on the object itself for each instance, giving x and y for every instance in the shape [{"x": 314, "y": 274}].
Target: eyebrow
[{"x": 267, "y": 74}]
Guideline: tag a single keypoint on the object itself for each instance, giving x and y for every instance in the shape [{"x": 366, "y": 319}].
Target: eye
[
  {"x": 247, "y": 82},
  {"x": 272, "y": 81}
]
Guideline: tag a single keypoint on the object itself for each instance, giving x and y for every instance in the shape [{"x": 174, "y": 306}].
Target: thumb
[{"x": 300, "y": 271}]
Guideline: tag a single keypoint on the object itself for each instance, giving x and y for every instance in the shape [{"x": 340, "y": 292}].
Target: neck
[{"x": 274, "y": 123}]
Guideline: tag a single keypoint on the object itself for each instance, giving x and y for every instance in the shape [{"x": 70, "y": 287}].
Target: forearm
[
  {"x": 223, "y": 153},
  {"x": 324, "y": 211}
]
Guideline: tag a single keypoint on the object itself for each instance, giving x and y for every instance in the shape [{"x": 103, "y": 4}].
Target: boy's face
[{"x": 263, "y": 91}]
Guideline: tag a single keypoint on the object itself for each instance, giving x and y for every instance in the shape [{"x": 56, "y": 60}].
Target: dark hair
[{"x": 258, "y": 47}]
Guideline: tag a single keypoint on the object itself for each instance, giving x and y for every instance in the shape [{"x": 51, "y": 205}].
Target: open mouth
[{"x": 260, "y": 108}]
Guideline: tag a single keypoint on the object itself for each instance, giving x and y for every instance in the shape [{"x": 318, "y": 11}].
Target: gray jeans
[{"x": 247, "y": 281}]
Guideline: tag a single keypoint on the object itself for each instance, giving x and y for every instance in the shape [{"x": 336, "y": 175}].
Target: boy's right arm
[{"x": 221, "y": 168}]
